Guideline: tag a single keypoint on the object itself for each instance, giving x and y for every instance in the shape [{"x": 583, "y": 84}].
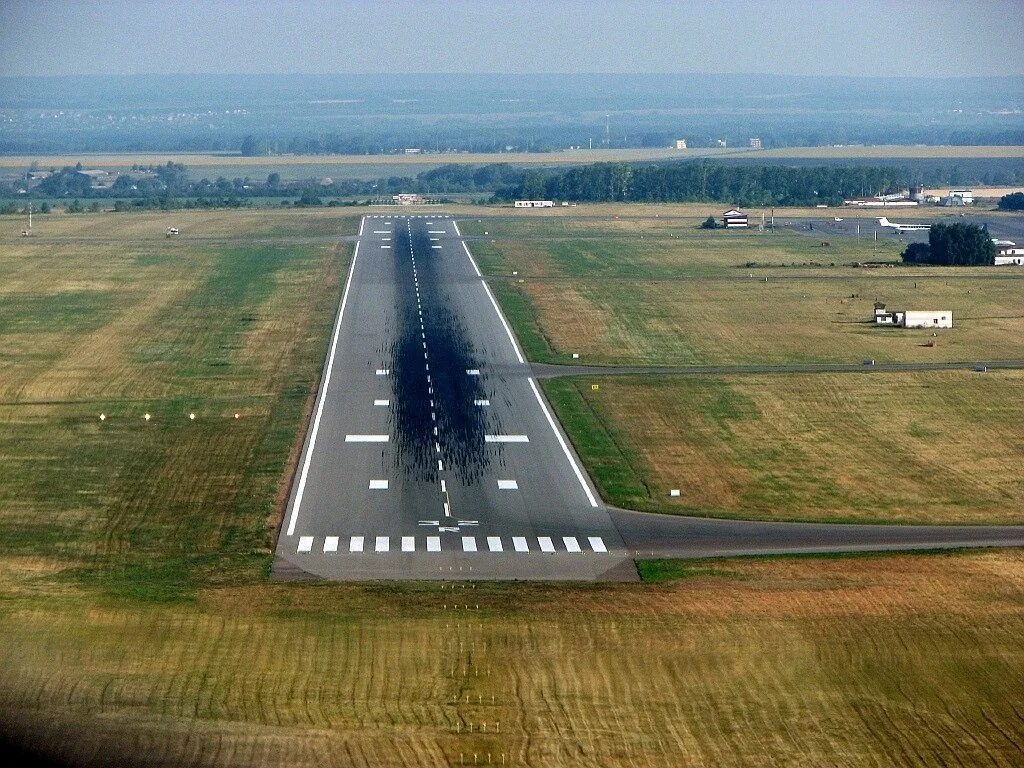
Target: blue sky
[{"x": 799, "y": 37}]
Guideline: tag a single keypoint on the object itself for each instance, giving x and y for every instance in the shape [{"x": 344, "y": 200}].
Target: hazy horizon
[{"x": 808, "y": 38}]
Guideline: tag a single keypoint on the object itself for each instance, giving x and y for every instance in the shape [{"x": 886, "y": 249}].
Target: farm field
[
  {"x": 932, "y": 447},
  {"x": 660, "y": 291}
]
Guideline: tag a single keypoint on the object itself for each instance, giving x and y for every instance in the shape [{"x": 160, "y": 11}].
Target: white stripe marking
[
  {"x": 506, "y": 439},
  {"x": 469, "y": 544},
  {"x": 437, "y": 247},
  {"x": 545, "y": 544},
  {"x": 383, "y": 544},
  {"x": 382, "y": 402},
  {"x": 519, "y": 542},
  {"x": 305, "y": 543},
  {"x": 481, "y": 402},
  {"x": 383, "y": 371},
  {"x": 355, "y": 544},
  {"x": 408, "y": 543},
  {"x": 472, "y": 371},
  {"x": 366, "y": 438},
  {"x": 565, "y": 448},
  {"x": 323, "y": 396},
  {"x": 435, "y": 232},
  {"x": 385, "y": 246},
  {"x": 494, "y": 544},
  {"x": 378, "y": 485},
  {"x": 508, "y": 485},
  {"x": 571, "y": 544},
  {"x": 331, "y": 544},
  {"x": 597, "y": 544},
  {"x": 433, "y": 543}
]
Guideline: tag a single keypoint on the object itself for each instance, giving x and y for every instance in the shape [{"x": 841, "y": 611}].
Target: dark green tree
[{"x": 1012, "y": 202}]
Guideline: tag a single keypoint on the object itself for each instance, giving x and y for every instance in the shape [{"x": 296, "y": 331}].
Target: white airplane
[
  {"x": 836, "y": 219},
  {"x": 901, "y": 228}
]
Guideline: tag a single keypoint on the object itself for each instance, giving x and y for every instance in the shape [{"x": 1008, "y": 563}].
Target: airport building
[
  {"x": 756, "y": 144},
  {"x": 880, "y": 202},
  {"x": 908, "y": 318},
  {"x": 680, "y": 143},
  {"x": 733, "y": 219},
  {"x": 958, "y": 197},
  {"x": 1009, "y": 254}
]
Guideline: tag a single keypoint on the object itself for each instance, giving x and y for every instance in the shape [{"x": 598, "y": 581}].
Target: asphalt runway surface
[{"x": 432, "y": 453}]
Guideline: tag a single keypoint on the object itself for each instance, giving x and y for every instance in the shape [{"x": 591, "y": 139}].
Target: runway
[{"x": 432, "y": 453}]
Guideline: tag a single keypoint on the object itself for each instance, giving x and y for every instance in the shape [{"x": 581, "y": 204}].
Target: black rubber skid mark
[{"x": 461, "y": 424}]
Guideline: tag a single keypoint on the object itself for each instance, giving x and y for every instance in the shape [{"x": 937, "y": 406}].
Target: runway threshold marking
[
  {"x": 382, "y": 402},
  {"x": 508, "y": 485},
  {"x": 506, "y": 438},
  {"x": 468, "y": 544},
  {"x": 378, "y": 485},
  {"x": 482, "y": 402},
  {"x": 322, "y": 397}
]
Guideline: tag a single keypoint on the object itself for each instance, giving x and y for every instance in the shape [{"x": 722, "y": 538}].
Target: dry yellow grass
[
  {"x": 784, "y": 320},
  {"x": 910, "y": 447},
  {"x": 544, "y": 158},
  {"x": 859, "y": 662}
]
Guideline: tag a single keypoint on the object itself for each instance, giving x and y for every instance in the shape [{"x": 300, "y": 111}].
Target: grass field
[
  {"x": 863, "y": 661},
  {"x": 907, "y": 447},
  {"x": 136, "y": 618},
  {"x": 660, "y": 291}
]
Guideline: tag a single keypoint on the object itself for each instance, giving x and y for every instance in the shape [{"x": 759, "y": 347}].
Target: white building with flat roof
[
  {"x": 534, "y": 204},
  {"x": 1008, "y": 254},
  {"x": 913, "y": 318}
]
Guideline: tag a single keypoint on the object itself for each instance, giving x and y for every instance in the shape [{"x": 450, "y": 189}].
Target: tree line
[
  {"x": 702, "y": 181},
  {"x": 957, "y": 244}
]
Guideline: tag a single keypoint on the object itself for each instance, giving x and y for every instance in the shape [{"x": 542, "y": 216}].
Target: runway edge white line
[
  {"x": 533, "y": 385},
  {"x": 323, "y": 395}
]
